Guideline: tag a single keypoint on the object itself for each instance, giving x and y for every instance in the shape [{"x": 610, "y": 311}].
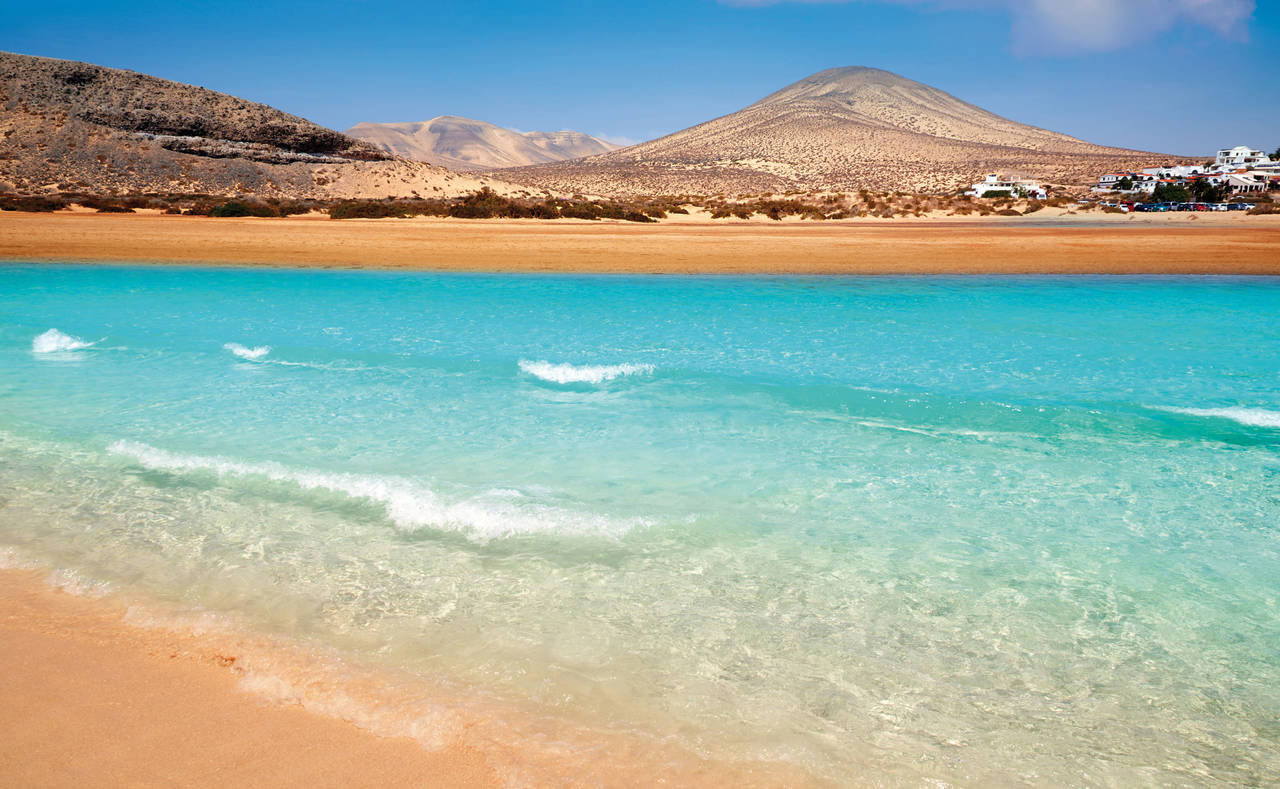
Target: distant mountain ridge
[
  {"x": 71, "y": 126},
  {"x": 466, "y": 144},
  {"x": 843, "y": 128}
]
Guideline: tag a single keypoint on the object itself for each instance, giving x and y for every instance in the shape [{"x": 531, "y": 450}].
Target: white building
[
  {"x": 1244, "y": 184},
  {"x": 1178, "y": 171},
  {"x": 1108, "y": 181},
  {"x": 1012, "y": 186},
  {"x": 1240, "y": 157}
]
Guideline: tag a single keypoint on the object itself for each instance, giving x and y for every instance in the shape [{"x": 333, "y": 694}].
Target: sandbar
[{"x": 1025, "y": 245}]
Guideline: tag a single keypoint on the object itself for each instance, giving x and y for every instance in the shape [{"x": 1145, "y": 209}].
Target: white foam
[
  {"x": 410, "y": 506},
  {"x": 13, "y": 559},
  {"x": 78, "y": 584},
  {"x": 1254, "y": 417},
  {"x": 585, "y": 373},
  {"x": 54, "y": 341},
  {"x": 252, "y": 354}
]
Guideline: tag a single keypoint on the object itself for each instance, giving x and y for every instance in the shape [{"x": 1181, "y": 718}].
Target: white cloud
[{"x": 1070, "y": 26}]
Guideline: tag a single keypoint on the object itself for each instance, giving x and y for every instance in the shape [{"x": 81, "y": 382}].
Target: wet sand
[
  {"x": 88, "y": 701},
  {"x": 1167, "y": 244},
  {"x": 115, "y": 692}
]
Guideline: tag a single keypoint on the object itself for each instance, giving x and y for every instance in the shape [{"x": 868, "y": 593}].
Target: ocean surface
[{"x": 971, "y": 531}]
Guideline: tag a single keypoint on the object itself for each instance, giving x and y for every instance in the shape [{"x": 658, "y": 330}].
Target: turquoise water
[{"x": 980, "y": 531}]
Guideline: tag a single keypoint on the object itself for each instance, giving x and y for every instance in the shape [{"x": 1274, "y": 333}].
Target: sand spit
[{"x": 1163, "y": 244}]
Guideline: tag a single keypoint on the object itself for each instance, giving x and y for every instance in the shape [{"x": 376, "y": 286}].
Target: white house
[
  {"x": 1014, "y": 187},
  {"x": 1107, "y": 182},
  {"x": 1241, "y": 156},
  {"x": 1239, "y": 183},
  {"x": 1178, "y": 171}
]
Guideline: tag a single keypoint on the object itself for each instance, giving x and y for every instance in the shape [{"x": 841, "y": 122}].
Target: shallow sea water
[{"x": 977, "y": 531}]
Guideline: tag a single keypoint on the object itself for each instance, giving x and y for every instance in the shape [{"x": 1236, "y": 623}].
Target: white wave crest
[
  {"x": 252, "y": 354},
  {"x": 54, "y": 341},
  {"x": 410, "y": 506},
  {"x": 581, "y": 374},
  {"x": 1254, "y": 417}
]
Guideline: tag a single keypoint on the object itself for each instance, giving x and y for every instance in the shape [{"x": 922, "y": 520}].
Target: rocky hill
[
  {"x": 844, "y": 128},
  {"x": 69, "y": 126},
  {"x": 465, "y": 144}
]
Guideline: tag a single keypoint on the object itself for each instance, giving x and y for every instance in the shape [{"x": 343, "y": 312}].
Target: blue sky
[{"x": 1181, "y": 76}]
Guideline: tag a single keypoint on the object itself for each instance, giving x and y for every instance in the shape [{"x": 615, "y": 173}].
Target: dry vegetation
[{"x": 487, "y": 204}]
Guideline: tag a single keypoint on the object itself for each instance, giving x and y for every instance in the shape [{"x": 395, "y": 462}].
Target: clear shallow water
[{"x": 984, "y": 531}]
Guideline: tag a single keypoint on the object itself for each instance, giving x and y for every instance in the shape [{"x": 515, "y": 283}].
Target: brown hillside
[
  {"x": 845, "y": 128},
  {"x": 71, "y": 126}
]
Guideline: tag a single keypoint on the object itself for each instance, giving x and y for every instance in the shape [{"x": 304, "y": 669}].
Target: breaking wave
[
  {"x": 481, "y": 517},
  {"x": 1253, "y": 417},
  {"x": 252, "y": 354},
  {"x": 581, "y": 374},
  {"x": 54, "y": 341}
]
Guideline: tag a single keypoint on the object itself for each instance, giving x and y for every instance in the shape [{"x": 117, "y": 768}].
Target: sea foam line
[
  {"x": 585, "y": 373},
  {"x": 1254, "y": 417},
  {"x": 54, "y": 341},
  {"x": 410, "y": 506}
]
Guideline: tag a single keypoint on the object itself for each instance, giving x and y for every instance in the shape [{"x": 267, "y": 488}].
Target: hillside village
[
  {"x": 1240, "y": 171},
  {"x": 1235, "y": 171}
]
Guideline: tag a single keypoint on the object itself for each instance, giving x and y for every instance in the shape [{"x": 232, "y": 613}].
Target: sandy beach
[
  {"x": 109, "y": 691},
  {"x": 89, "y": 701},
  {"x": 1161, "y": 244}
]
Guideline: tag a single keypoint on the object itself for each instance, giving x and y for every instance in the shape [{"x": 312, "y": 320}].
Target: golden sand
[
  {"x": 88, "y": 701},
  {"x": 1168, "y": 244}
]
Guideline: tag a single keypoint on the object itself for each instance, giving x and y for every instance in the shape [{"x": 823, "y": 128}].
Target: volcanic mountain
[
  {"x": 843, "y": 128},
  {"x": 465, "y": 144},
  {"x": 69, "y": 126}
]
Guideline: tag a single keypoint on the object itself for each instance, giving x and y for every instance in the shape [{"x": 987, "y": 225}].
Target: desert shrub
[
  {"x": 1033, "y": 206},
  {"x": 363, "y": 209},
  {"x": 995, "y": 193},
  {"x": 483, "y": 204},
  {"x": 115, "y": 209},
  {"x": 1111, "y": 209},
  {"x": 231, "y": 208},
  {"x": 577, "y": 210},
  {"x": 543, "y": 211},
  {"x": 1264, "y": 208},
  {"x": 1008, "y": 212},
  {"x": 31, "y": 204},
  {"x": 293, "y": 208}
]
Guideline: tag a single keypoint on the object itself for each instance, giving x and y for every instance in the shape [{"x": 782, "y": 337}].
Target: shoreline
[
  {"x": 104, "y": 687},
  {"x": 1218, "y": 245}
]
